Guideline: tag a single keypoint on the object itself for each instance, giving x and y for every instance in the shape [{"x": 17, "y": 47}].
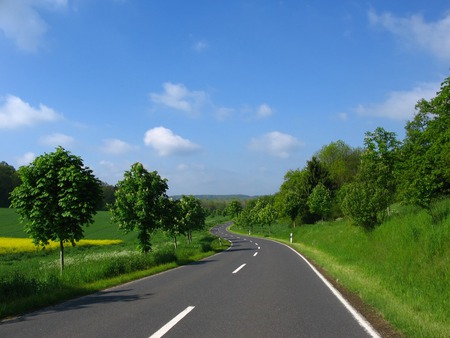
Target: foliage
[
  {"x": 364, "y": 203},
  {"x": 234, "y": 208},
  {"x": 425, "y": 169},
  {"x": 341, "y": 162},
  {"x": 57, "y": 196},
  {"x": 140, "y": 203},
  {"x": 192, "y": 216},
  {"x": 319, "y": 201},
  {"x": 367, "y": 198},
  {"x": 8, "y": 181},
  {"x": 401, "y": 268}
]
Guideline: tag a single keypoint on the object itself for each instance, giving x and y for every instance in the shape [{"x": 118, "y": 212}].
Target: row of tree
[
  {"x": 362, "y": 183},
  {"x": 58, "y": 195}
]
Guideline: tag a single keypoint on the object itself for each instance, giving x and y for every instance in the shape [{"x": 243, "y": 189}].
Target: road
[{"x": 257, "y": 288}]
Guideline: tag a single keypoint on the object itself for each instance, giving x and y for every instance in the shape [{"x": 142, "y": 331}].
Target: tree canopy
[
  {"x": 140, "y": 203},
  {"x": 57, "y": 196}
]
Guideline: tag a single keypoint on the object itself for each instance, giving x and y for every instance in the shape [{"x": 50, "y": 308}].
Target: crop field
[{"x": 30, "y": 276}]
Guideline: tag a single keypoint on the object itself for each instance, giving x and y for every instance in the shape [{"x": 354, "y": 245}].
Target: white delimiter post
[{"x": 290, "y": 238}]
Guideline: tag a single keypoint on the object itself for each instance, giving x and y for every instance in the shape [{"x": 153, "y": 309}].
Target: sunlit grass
[
  {"x": 401, "y": 268},
  {"x": 17, "y": 245}
]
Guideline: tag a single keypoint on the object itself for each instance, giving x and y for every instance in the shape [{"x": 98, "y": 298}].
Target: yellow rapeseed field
[{"x": 16, "y": 245}]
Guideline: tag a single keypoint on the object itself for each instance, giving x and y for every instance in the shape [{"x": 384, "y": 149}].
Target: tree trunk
[
  {"x": 175, "y": 242},
  {"x": 61, "y": 255}
]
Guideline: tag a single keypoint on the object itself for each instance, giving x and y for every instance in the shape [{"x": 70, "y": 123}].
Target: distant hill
[{"x": 219, "y": 197}]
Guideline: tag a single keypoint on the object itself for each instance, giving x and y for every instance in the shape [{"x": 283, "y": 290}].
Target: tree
[
  {"x": 193, "y": 215},
  {"x": 264, "y": 213},
  {"x": 140, "y": 203},
  {"x": 234, "y": 208},
  {"x": 57, "y": 196},
  {"x": 425, "y": 170},
  {"x": 341, "y": 161},
  {"x": 108, "y": 196},
  {"x": 368, "y": 198},
  {"x": 319, "y": 201},
  {"x": 379, "y": 160},
  {"x": 173, "y": 220},
  {"x": 293, "y": 195},
  {"x": 8, "y": 181}
]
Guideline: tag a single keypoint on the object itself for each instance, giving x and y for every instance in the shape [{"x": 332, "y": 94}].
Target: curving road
[{"x": 257, "y": 288}]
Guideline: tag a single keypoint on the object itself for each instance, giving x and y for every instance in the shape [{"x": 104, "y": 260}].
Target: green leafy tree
[
  {"x": 140, "y": 203},
  {"x": 368, "y": 198},
  {"x": 379, "y": 161},
  {"x": 319, "y": 201},
  {"x": 425, "y": 170},
  {"x": 8, "y": 181},
  {"x": 265, "y": 214},
  {"x": 292, "y": 198},
  {"x": 193, "y": 215},
  {"x": 341, "y": 161},
  {"x": 173, "y": 220},
  {"x": 234, "y": 208},
  {"x": 57, "y": 196}
]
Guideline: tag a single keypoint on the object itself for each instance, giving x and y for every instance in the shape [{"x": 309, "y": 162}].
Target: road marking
[
  {"x": 358, "y": 317},
  {"x": 255, "y": 254},
  {"x": 239, "y": 268},
  {"x": 256, "y": 243},
  {"x": 259, "y": 247},
  {"x": 162, "y": 331}
]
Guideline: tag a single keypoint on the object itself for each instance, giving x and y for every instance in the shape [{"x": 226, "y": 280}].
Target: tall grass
[{"x": 402, "y": 267}]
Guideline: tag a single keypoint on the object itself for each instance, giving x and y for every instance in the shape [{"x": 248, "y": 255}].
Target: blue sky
[{"x": 219, "y": 97}]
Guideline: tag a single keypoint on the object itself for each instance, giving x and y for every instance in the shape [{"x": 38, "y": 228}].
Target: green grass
[
  {"x": 401, "y": 268},
  {"x": 32, "y": 280}
]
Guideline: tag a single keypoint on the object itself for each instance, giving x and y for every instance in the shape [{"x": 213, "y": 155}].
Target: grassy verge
[
  {"x": 402, "y": 268},
  {"x": 31, "y": 279}
]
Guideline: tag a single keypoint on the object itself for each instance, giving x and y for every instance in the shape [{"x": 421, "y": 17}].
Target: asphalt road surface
[{"x": 257, "y": 288}]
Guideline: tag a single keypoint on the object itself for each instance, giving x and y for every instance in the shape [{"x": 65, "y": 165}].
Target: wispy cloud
[
  {"x": 15, "y": 113},
  {"x": 400, "y": 105},
  {"x": 26, "y": 158},
  {"x": 57, "y": 139},
  {"x": 177, "y": 96},
  {"x": 200, "y": 46},
  {"x": 166, "y": 143},
  {"x": 276, "y": 144},
  {"x": 116, "y": 147},
  {"x": 264, "y": 111},
  {"x": 21, "y": 22},
  {"x": 433, "y": 37}
]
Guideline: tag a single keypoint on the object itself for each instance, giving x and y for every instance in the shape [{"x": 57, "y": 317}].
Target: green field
[
  {"x": 30, "y": 280},
  {"x": 402, "y": 268}
]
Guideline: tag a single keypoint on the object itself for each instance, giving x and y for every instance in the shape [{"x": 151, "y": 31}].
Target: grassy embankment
[
  {"x": 30, "y": 277},
  {"x": 401, "y": 268}
]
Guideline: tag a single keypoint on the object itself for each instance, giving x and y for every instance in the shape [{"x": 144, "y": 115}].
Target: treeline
[
  {"x": 362, "y": 183},
  {"x": 215, "y": 205}
]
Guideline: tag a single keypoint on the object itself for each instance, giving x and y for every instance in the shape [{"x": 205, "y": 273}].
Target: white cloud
[
  {"x": 20, "y": 21},
  {"x": 224, "y": 113},
  {"x": 400, "y": 105},
  {"x": 166, "y": 143},
  {"x": 178, "y": 97},
  {"x": 26, "y": 158},
  {"x": 276, "y": 144},
  {"x": 15, "y": 113},
  {"x": 57, "y": 139},
  {"x": 200, "y": 46},
  {"x": 433, "y": 37},
  {"x": 264, "y": 111},
  {"x": 116, "y": 147}
]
